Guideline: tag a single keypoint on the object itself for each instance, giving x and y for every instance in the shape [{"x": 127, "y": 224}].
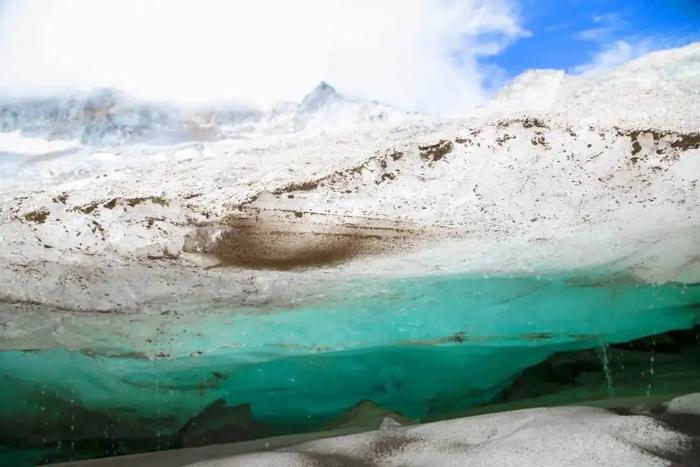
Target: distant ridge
[{"x": 108, "y": 117}]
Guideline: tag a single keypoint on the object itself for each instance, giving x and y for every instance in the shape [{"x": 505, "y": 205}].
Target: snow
[
  {"x": 656, "y": 90},
  {"x": 512, "y": 439},
  {"x": 532, "y": 91},
  {"x": 513, "y": 195},
  {"x": 532, "y": 437},
  {"x": 686, "y": 404},
  {"x": 15, "y": 142}
]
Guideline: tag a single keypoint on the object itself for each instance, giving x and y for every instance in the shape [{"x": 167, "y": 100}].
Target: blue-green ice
[{"x": 422, "y": 346}]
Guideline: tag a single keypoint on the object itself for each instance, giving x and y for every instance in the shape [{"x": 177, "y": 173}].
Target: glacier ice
[
  {"x": 239, "y": 274},
  {"x": 422, "y": 347}
]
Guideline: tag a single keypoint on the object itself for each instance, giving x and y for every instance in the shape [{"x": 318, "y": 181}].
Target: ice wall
[{"x": 422, "y": 347}]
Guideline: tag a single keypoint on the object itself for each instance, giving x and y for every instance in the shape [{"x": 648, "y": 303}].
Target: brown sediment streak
[
  {"x": 282, "y": 240},
  {"x": 112, "y": 203},
  {"x": 678, "y": 141},
  {"x": 526, "y": 122},
  {"x": 686, "y": 141},
  {"x": 266, "y": 231},
  {"x": 154, "y": 199},
  {"x": 435, "y": 152},
  {"x": 378, "y": 164},
  {"x": 463, "y": 338},
  {"x": 39, "y": 216}
]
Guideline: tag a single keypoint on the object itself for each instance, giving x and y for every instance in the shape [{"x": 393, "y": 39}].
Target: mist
[{"x": 415, "y": 54}]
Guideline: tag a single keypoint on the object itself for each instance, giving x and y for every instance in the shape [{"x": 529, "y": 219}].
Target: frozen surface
[{"x": 191, "y": 258}]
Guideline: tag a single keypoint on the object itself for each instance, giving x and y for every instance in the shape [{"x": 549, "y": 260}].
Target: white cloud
[
  {"x": 420, "y": 54},
  {"x": 595, "y": 34},
  {"x": 616, "y": 48},
  {"x": 605, "y": 27},
  {"x": 612, "y": 55}
]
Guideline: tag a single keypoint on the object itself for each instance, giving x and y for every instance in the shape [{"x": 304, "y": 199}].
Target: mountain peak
[
  {"x": 323, "y": 87},
  {"x": 318, "y": 97}
]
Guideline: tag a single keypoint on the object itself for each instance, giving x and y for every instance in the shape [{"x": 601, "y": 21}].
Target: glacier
[{"x": 172, "y": 278}]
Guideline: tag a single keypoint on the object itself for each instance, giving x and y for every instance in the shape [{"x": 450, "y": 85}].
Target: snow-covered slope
[
  {"x": 532, "y": 91},
  {"x": 529, "y": 190},
  {"x": 658, "y": 89},
  {"x": 15, "y": 142}
]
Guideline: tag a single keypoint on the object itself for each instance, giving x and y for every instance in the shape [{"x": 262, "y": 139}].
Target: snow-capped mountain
[
  {"x": 324, "y": 109},
  {"x": 107, "y": 117}
]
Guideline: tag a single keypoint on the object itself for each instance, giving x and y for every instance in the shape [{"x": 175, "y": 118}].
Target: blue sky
[{"x": 567, "y": 34}]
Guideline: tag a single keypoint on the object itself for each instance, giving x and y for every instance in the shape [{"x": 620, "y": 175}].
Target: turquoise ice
[{"x": 420, "y": 346}]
